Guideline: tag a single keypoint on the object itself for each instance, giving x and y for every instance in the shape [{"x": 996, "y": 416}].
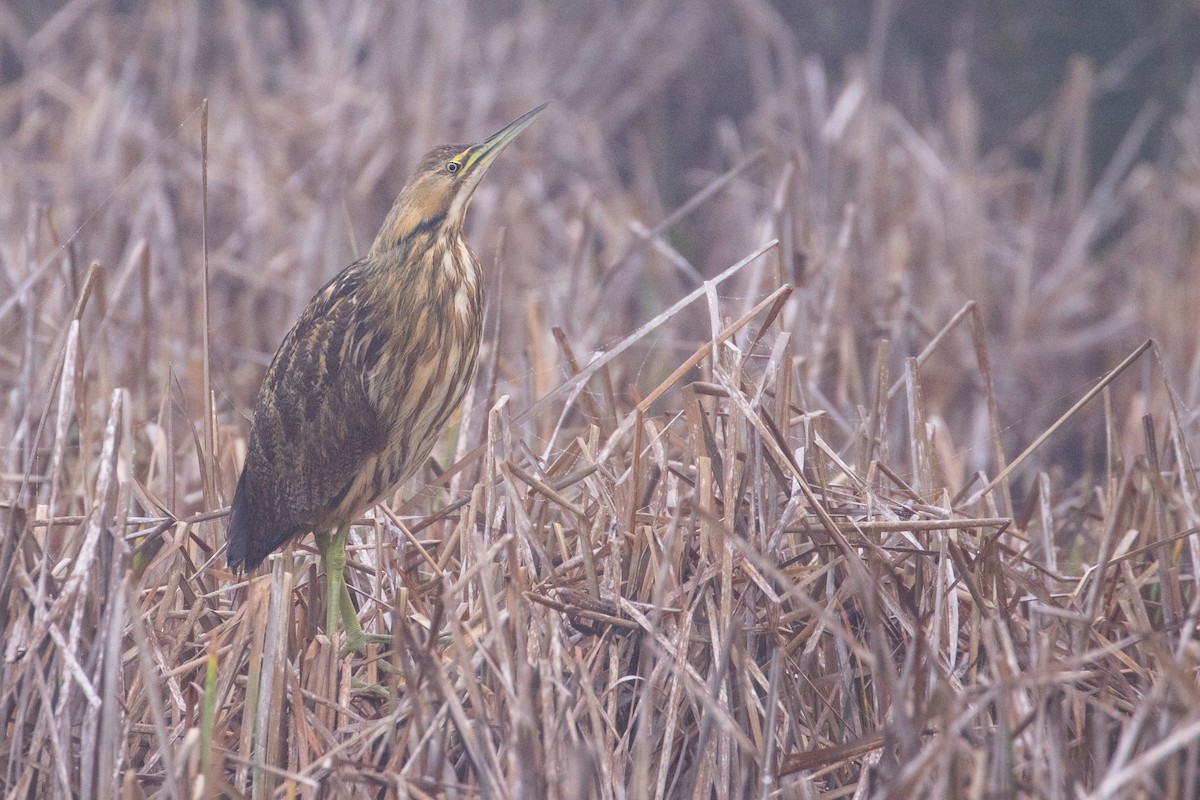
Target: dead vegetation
[{"x": 841, "y": 467}]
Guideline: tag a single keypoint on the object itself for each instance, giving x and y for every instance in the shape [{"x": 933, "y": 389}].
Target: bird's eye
[{"x": 452, "y": 166}]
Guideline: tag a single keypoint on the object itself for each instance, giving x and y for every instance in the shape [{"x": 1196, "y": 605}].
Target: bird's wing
[{"x": 314, "y": 427}]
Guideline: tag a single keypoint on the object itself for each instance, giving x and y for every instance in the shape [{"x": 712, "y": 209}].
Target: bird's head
[{"x": 440, "y": 188}]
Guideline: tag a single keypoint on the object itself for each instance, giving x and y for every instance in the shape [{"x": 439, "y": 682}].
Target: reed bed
[{"x": 813, "y": 452}]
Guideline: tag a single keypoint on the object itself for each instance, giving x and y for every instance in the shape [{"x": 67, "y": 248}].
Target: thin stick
[
  {"x": 1070, "y": 412},
  {"x": 208, "y": 457}
]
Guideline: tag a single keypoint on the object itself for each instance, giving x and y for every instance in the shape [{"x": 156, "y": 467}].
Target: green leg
[{"x": 337, "y": 596}]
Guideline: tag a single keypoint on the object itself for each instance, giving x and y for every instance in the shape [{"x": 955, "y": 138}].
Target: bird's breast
[{"x": 425, "y": 367}]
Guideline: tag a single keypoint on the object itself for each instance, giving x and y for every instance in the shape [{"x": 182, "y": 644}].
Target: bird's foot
[
  {"x": 374, "y": 689},
  {"x": 357, "y": 641}
]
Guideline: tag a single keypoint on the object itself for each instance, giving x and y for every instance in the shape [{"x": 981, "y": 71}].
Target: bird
[{"x": 366, "y": 380}]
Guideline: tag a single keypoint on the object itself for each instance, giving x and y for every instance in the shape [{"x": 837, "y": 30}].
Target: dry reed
[{"x": 813, "y": 472}]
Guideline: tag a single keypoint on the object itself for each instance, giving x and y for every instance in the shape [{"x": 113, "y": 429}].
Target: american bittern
[{"x": 367, "y": 378}]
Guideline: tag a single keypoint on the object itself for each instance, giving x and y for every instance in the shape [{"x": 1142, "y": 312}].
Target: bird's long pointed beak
[{"x": 484, "y": 153}]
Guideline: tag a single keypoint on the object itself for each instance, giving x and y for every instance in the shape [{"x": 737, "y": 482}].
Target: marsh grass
[{"x": 853, "y": 464}]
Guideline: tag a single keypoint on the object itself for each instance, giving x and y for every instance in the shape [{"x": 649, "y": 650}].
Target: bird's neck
[
  {"x": 438, "y": 267},
  {"x": 455, "y": 266},
  {"x": 415, "y": 222}
]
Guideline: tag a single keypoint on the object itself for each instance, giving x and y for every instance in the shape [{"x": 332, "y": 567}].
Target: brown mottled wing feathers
[{"x": 314, "y": 427}]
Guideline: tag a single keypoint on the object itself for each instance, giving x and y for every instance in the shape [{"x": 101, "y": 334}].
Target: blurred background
[
  {"x": 1009, "y": 189},
  {"x": 1038, "y": 157}
]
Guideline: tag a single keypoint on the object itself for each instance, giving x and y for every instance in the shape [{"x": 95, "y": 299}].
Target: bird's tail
[{"x": 251, "y": 538}]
